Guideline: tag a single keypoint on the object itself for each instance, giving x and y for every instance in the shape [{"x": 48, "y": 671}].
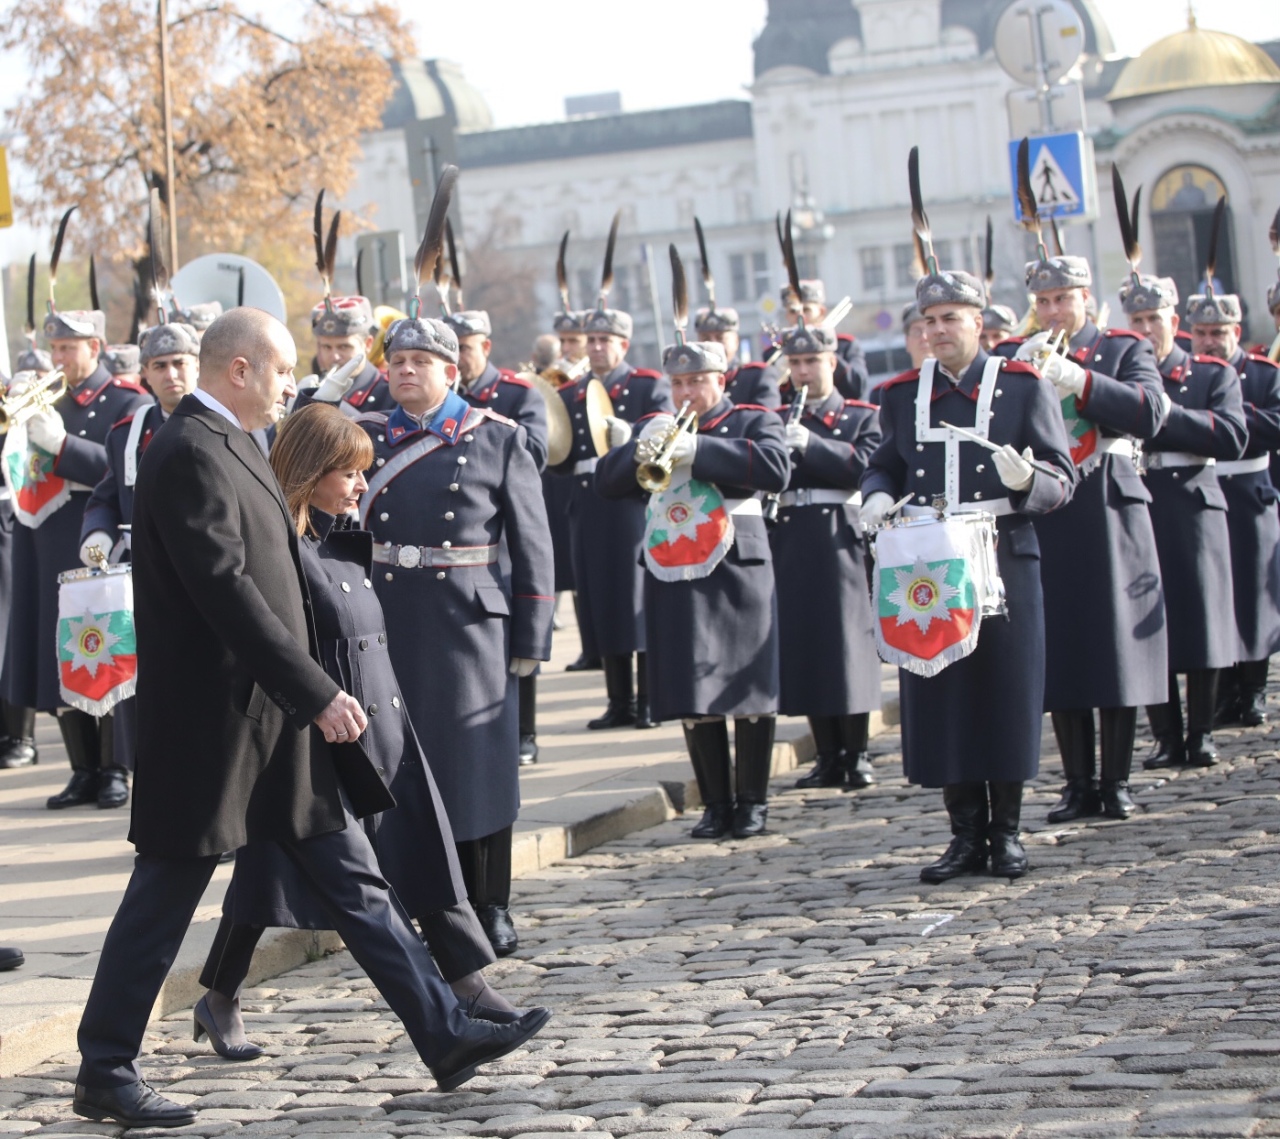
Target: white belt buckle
[{"x": 409, "y": 557}]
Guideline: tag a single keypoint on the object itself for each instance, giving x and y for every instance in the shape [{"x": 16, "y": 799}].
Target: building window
[
  {"x": 759, "y": 276},
  {"x": 588, "y": 287},
  {"x": 942, "y": 251},
  {"x": 620, "y": 297},
  {"x": 904, "y": 265},
  {"x": 748, "y": 276},
  {"x": 872, "y": 259},
  {"x": 807, "y": 266}
]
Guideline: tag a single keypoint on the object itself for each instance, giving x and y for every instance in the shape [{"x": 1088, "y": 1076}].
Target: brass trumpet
[
  {"x": 653, "y": 455},
  {"x": 39, "y": 396}
]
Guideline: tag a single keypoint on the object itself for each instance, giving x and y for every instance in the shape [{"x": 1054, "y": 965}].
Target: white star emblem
[
  {"x": 922, "y": 595},
  {"x": 90, "y": 642}
]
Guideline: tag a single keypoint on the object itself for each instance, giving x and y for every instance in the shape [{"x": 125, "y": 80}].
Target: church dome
[
  {"x": 1194, "y": 57},
  {"x": 429, "y": 89}
]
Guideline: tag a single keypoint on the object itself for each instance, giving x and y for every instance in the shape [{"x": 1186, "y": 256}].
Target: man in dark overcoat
[
  {"x": 1251, "y": 511},
  {"x": 235, "y": 723},
  {"x": 743, "y": 383},
  {"x": 1205, "y": 426},
  {"x": 973, "y": 729}
]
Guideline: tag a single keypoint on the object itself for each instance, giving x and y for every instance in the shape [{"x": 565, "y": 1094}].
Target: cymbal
[
  {"x": 599, "y": 408},
  {"x": 559, "y": 426}
]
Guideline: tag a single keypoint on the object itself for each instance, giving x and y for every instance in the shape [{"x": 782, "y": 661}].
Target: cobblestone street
[{"x": 807, "y": 982}]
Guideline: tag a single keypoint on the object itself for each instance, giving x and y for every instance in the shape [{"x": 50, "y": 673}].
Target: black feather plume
[
  {"x": 331, "y": 251},
  {"x": 918, "y": 266},
  {"x": 1274, "y": 234},
  {"x": 707, "y": 279},
  {"x": 1058, "y": 248},
  {"x": 31, "y": 296},
  {"x": 562, "y": 275},
  {"x": 360, "y": 273},
  {"x": 440, "y": 277},
  {"x": 1211, "y": 262},
  {"x": 988, "y": 261},
  {"x": 424, "y": 261},
  {"x": 789, "y": 259},
  {"x": 57, "y": 255},
  {"x": 679, "y": 294},
  {"x": 1027, "y": 199},
  {"x": 317, "y": 232},
  {"x": 94, "y": 303},
  {"x": 159, "y": 273},
  {"x": 919, "y": 219},
  {"x": 606, "y": 277},
  {"x": 777, "y": 228},
  {"x": 1126, "y": 219},
  {"x": 453, "y": 261}
]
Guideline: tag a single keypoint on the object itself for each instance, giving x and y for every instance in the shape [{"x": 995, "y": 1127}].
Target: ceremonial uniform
[
  {"x": 370, "y": 391},
  {"x": 514, "y": 398},
  {"x": 754, "y": 384}
]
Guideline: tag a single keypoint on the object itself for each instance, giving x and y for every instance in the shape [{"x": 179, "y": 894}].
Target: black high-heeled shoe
[{"x": 204, "y": 1026}]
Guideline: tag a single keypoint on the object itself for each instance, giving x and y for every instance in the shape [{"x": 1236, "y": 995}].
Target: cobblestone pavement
[{"x": 806, "y": 982}]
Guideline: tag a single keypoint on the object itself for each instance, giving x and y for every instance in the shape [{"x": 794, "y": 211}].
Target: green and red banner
[
  {"x": 37, "y": 491},
  {"x": 97, "y": 648},
  {"x": 687, "y": 529},
  {"x": 1083, "y": 433}
]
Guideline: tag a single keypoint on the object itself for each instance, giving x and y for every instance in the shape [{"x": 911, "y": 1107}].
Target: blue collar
[{"x": 447, "y": 422}]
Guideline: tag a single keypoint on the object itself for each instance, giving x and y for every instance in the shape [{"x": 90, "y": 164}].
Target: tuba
[{"x": 653, "y": 455}]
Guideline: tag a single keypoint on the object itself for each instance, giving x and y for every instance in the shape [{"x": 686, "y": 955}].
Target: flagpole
[{"x": 166, "y": 106}]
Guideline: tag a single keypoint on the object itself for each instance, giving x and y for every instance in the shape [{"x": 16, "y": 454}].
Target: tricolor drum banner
[
  {"x": 37, "y": 491},
  {"x": 97, "y": 649},
  {"x": 935, "y": 581},
  {"x": 687, "y": 529}
]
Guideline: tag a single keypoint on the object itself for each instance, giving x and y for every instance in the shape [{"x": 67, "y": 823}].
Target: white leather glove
[
  {"x": 1034, "y": 349},
  {"x": 522, "y": 667},
  {"x": 339, "y": 380},
  {"x": 1065, "y": 375},
  {"x": 1014, "y": 470},
  {"x": 684, "y": 448},
  {"x": 99, "y": 538},
  {"x": 797, "y": 436},
  {"x": 658, "y": 425},
  {"x": 1166, "y": 405},
  {"x": 619, "y": 431},
  {"x": 308, "y": 383},
  {"x": 875, "y": 507},
  {"x": 19, "y": 384},
  {"x": 46, "y": 430}
]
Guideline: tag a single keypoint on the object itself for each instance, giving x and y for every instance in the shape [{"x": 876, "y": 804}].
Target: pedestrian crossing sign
[{"x": 1062, "y": 175}]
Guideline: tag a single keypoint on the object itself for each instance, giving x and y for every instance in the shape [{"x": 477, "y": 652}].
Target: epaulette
[
  {"x": 906, "y": 377},
  {"x": 133, "y": 386},
  {"x": 1123, "y": 332},
  {"x": 651, "y": 414},
  {"x": 860, "y": 403},
  {"x": 376, "y": 417},
  {"x": 489, "y": 413},
  {"x": 508, "y": 377},
  {"x": 1023, "y": 366},
  {"x": 752, "y": 364},
  {"x": 846, "y": 336},
  {"x": 647, "y": 374},
  {"x": 748, "y": 407},
  {"x": 1198, "y": 359},
  {"x": 1258, "y": 358},
  {"x": 123, "y": 422}
]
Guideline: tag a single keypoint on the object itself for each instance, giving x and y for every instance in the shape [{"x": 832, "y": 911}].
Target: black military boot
[
  {"x": 492, "y": 890},
  {"x": 855, "y": 732},
  {"x": 1202, "y": 700},
  {"x": 620, "y": 686},
  {"x": 18, "y": 748},
  {"x": 528, "y": 699},
  {"x": 1008, "y": 856},
  {"x": 753, "y": 762},
  {"x": 1074, "y": 732},
  {"x": 80, "y": 738},
  {"x": 113, "y": 780},
  {"x": 1251, "y": 676},
  {"x": 1229, "y": 709},
  {"x": 642, "y": 692},
  {"x": 1166, "y": 728},
  {"x": 584, "y": 663},
  {"x": 828, "y": 764},
  {"x": 1116, "y": 726},
  {"x": 966, "y": 804},
  {"x": 708, "y": 744}
]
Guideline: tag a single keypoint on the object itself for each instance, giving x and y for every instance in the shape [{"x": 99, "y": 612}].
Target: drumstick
[{"x": 973, "y": 437}]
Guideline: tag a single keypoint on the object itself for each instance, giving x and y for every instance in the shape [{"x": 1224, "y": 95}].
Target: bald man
[{"x": 242, "y": 736}]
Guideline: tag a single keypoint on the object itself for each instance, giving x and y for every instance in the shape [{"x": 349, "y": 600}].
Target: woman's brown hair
[{"x": 309, "y": 445}]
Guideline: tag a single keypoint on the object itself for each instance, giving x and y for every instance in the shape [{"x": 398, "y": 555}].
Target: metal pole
[
  {"x": 646, "y": 254},
  {"x": 166, "y": 106}
]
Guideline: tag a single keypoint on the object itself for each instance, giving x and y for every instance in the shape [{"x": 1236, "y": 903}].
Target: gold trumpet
[
  {"x": 1274, "y": 353},
  {"x": 39, "y": 396},
  {"x": 654, "y": 460},
  {"x": 561, "y": 373}
]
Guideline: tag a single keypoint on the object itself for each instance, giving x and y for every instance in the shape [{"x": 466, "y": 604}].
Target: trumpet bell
[{"x": 38, "y": 396}]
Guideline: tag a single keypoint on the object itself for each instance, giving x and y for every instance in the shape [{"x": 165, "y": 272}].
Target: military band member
[
  {"x": 829, "y": 665},
  {"x": 570, "y": 329},
  {"x": 1106, "y": 638},
  {"x": 450, "y": 485},
  {"x": 606, "y": 535},
  {"x": 974, "y": 728},
  {"x": 743, "y": 383},
  {"x": 998, "y": 323},
  {"x": 914, "y": 334},
  {"x": 712, "y": 636},
  {"x": 1251, "y": 511},
  {"x": 199, "y": 316},
  {"x": 122, "y": 360},
  {"x": 1206, "y": 425},
  {"x": 852, "y": 378},
  {"x": 74, "y": 432},
  {"x": 344, "y": 328}
]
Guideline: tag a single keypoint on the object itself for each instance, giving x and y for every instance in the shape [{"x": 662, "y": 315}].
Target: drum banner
[
  {"x": 1083, "y": 434},
  {"x": 687, "y": 529},
  {"x": 97, "y": 649},
  {"x": 927, "y": 596},
  {"x": 37, "y": 491}
]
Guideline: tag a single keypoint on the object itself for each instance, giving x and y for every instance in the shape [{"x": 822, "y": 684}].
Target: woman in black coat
[{"x": 319, "y": 457}]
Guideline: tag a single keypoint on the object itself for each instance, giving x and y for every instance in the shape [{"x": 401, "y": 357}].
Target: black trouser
[
  {"x": 455, "y": 937},
  {"x": 156, "y": 910},
  {"x": 486, "y": 868}
]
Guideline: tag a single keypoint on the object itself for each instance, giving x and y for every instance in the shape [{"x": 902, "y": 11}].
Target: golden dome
[{"x": 1194, "y": 57}]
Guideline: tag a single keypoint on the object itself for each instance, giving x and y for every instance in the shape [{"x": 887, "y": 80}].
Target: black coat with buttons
[
  {"x": 1105, "y": 626},
  {"x": 980, "y": 718},
  {"x": 830, "y": 666},
  {"x": 1189, "y": 509},
  {"x": 454, "y": 629},
  {"x": 713, "y": 643},
  {"x": 1252, "y": 519},
  {"x": 413, "y": 841},
  {"x": 752, "y": 383},
  {"x": 31, "y": 659},
  {"x": 369, "y": 392},
  {"x": 516, "y": 398},
  {"x": 605, "y": 535}
]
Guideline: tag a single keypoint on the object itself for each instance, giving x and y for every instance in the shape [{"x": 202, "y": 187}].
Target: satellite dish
[
  {"x": 1038, "y": 41},
  {"x": 231, "y": 280}
]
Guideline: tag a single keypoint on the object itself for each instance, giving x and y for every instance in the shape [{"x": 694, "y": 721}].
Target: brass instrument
[
  {"x": 1274, "y": 353},
  {"x": 40, "y": 395},
  {"x": 561, "y": 373},
  {"x": 774, "y": 498},
  {"x": 653, "y": 455},
  {"x": 559, "y": 425}
]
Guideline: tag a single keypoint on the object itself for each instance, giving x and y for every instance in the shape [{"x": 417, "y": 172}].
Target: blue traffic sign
[{"x": 1060, "y": 175}]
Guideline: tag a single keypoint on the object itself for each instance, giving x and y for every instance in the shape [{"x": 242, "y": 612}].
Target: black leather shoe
[
  {"x": 1079, "y": 801},
  {"x": 643, "y": 719},
  {"x": 716, "y": 821},
  {"x": 1008, "y": 856},
  {"x": 827, "y": 771},
  {"x": 483, "y": 1042},
  {"x": 18, "y": 753},
  {"x": 858, "y": 772},
  {"x": 135, "y": 1105},
  {"x": 204, "y": 1025},
  {"x": 478, "y": 1010},
  {"x": 10, "y": 959},
  {"x": 498, "y": 928},
  {"x": 617, "y": 715},
  {"x": 82, "y": 788},
  {"x": 1114, "y": 797},
  {"x": 749, "y": 819},
  {"x": 585, "y": 663},
  {"x": 1168, "y": 752},
  {"x": 1200, "y": 751},
  {"x": 1253, "y": 709},
  {"x": 528, "y": 750},
  {"x": 113, "y": 788}
]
